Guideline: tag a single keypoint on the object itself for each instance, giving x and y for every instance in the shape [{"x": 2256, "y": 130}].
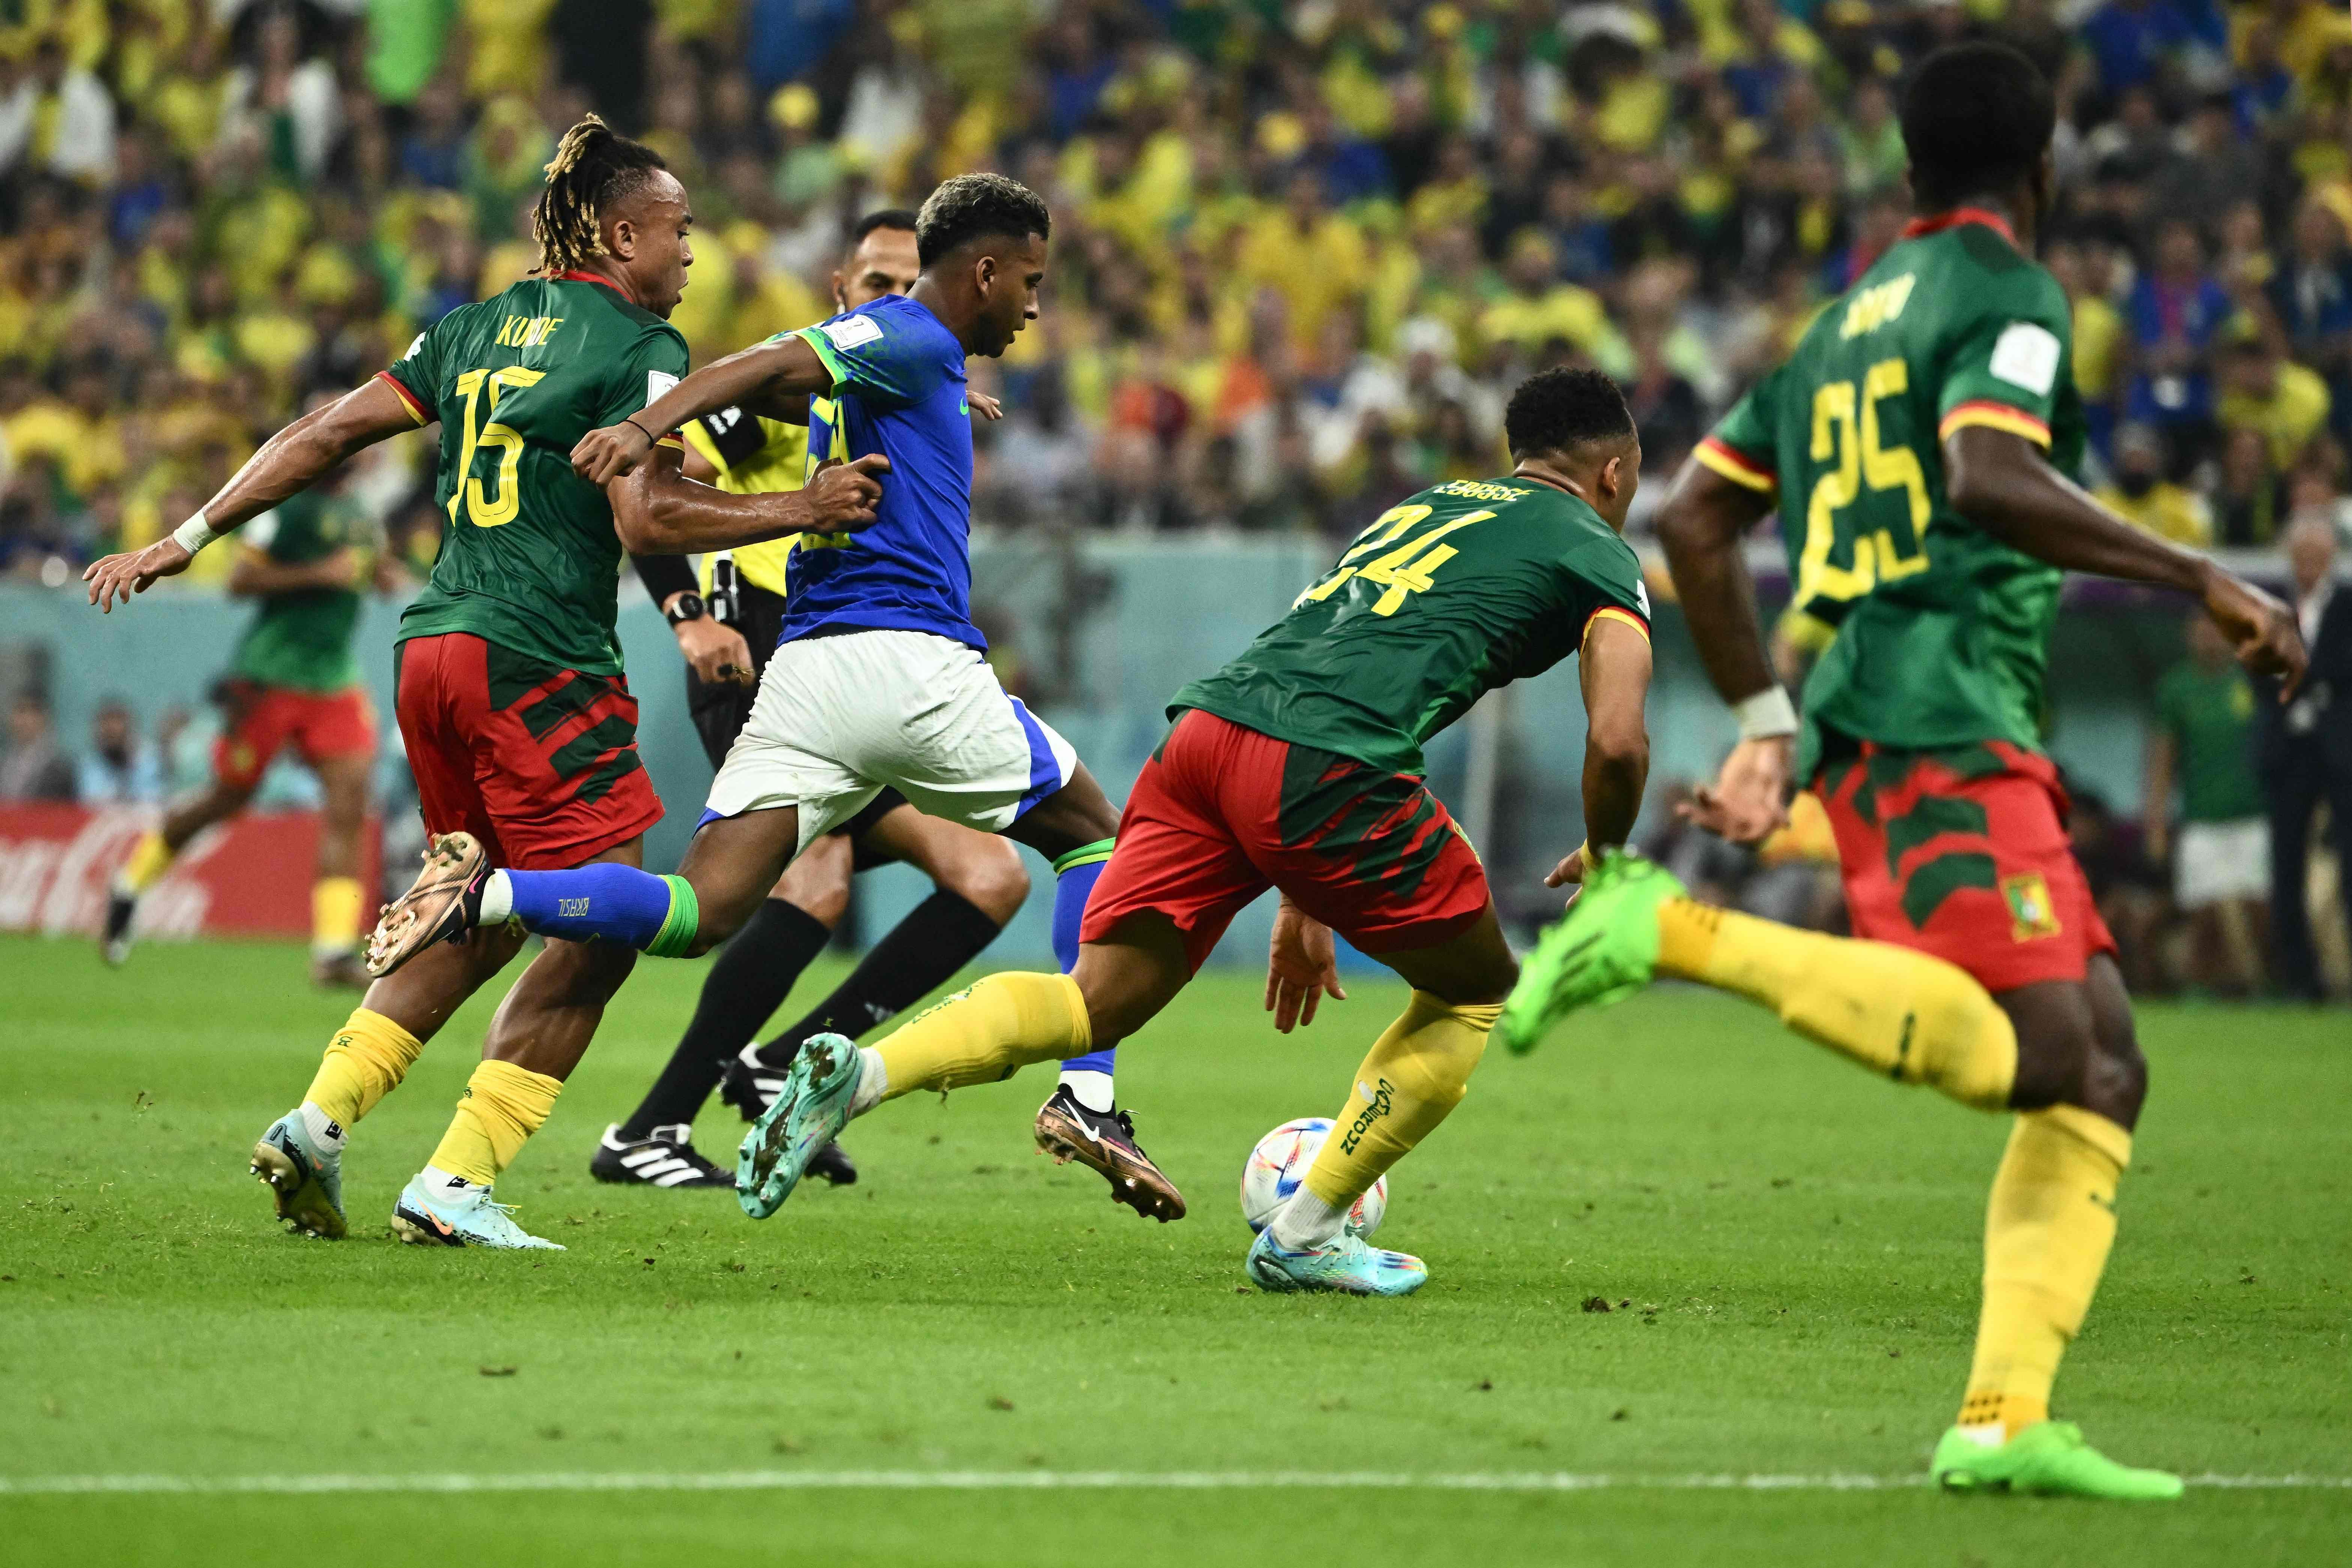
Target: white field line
[{"x": 1020, "y": 1480}]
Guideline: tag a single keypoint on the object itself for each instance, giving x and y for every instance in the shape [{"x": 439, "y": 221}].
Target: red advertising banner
[{"x": 248, "y": 877}]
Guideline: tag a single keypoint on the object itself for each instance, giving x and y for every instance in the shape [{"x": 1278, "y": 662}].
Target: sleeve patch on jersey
[
  {"x": 850, "y": 332},
  {"x": 656, "y": 383},
  {"x": 414, "y": 343},
  {"x": 2026, "y": 354},
  {"x": 1740, "y": 468},
  {"x": 1994, "y": 416},
  {"x": 1612, "y": 613}
]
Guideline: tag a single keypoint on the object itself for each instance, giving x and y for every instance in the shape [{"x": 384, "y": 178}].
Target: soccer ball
[{"x": 1279, "y": 1164}]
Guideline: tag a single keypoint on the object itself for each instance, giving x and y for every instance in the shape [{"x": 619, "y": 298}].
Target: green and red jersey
[
  {"x": 302, "y": 640},
  {"x": 532, "y": 562},
  {"x": 1464, "y": 588},
  {"x": 1942, "y": 630}
]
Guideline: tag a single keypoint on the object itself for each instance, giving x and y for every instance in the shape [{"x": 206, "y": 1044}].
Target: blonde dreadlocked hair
[{"x": 593, "y": 167}]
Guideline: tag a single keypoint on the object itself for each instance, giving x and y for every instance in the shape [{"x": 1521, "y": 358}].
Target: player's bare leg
[
  {"x": 2060, "y": 1054},
  {"x": 538, "y": 1036},
  {"x": 1081, "y": 1119},
  {"x": 980, "y": 884},
  {"x": 217, "y": 801},
  {"x": 299, "y": 1157},
  {"x": 982, "y": 1035},
  {"x": 1414, "y": 1076},
  {"x": 337, "y": 900}
]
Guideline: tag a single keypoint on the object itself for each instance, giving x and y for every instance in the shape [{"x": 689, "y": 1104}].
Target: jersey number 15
[
  {"x": 1881, "y": 546},
  {"x": 484, "y": 510}
]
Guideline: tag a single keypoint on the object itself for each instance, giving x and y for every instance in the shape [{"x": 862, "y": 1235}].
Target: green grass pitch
[{"x": 1788, "y": 1249}]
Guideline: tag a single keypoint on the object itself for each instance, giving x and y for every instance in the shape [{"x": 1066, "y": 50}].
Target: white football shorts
[
  {"x": 2221, "y": 862},
  {"x": 838, "y": 718}
]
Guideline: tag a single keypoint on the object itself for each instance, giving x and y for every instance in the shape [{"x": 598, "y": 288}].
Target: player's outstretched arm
[
  {"x": 289, "y": 461},
  {"x": 1701, "y": 524},
  {"x": 1615, "y": 668},
  {"x": 2001, "y": 482},
  {"x": 765, "y": 378},
  {"x": 657, "y": 511}
]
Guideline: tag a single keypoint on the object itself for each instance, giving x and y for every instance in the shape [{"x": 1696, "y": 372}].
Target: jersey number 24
[{"x": 1402, "y": 571}]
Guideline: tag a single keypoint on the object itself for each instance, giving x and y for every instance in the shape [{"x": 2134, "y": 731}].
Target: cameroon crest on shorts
[{"x": 2031, "y": 912}]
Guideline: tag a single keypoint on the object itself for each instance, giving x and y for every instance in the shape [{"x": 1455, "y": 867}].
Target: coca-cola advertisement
[{"x": 248, "y": 877}]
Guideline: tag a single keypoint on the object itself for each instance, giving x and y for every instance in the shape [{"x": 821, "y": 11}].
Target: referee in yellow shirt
[{"x": 728, "y": 624}]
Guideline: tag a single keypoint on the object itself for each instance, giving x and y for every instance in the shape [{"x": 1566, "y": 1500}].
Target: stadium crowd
[{"x": 1302, "y": 249}]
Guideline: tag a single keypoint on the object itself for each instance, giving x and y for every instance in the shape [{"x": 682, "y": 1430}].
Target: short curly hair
[
  {"x": 1558, "y": 410},
  {"x": 978, "y": 207},
  {"x": 1977, "y": 118}
]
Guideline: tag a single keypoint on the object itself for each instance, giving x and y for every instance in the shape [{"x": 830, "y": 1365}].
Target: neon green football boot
[
  {"x": 2048, "y": 1459},
  {"x": 1602, "y": 951}
]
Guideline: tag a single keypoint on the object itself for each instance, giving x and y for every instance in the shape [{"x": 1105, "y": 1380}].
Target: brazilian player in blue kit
[{"x": 878, "y": 679}]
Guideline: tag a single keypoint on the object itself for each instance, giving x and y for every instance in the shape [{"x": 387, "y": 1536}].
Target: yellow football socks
[
  {"x": 2048, "y": 1228},
  {"x": 365, "y": 1062},
  {"x": 1414, "y": 1075},
  {"x": 1915, "y": 1018},
  {"x": 503, "y": 1105},
  {"x": 1002, "y": 1023},
  {"x": 335, "y": 903},
  {"x": 148, "y": 861}
]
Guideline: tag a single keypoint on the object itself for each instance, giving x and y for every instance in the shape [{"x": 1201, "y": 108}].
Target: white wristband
[
  {"x": 1765, "y": 715},
  {"x": 195, "y": 533}
]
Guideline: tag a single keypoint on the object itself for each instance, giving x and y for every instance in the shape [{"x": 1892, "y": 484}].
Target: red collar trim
[
  {"x": 1920, "y": 226},
  {"x": 576, "y": 276}
]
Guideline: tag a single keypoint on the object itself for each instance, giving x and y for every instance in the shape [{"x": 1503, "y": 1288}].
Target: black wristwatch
[{"x": 685, "y": 607}]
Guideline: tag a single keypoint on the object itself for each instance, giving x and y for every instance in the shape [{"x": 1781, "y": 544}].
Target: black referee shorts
[{"x": 720, "y": 711}]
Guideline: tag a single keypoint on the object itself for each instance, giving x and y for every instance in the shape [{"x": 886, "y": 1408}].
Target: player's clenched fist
[
  {"x": 606, "y": 454},
  {"x": 842, "y": 496},
  {"x": 132, "y": 573},
  {"x": 2264, "y": 632}
]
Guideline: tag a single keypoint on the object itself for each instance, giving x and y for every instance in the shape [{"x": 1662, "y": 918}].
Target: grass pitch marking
[{"x": 1020, "y": 1480}]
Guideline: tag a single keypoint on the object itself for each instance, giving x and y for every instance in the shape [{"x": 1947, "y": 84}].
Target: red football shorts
[
  {"x": 1964, "y": 854},
  {"x": 266, "y": 718},
  {"x": 1220, "y": 813},
  {"x": 538, "y": 762}
]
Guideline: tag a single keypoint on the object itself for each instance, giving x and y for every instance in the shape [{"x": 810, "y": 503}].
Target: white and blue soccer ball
[{"x": 1279, "y": 1164}]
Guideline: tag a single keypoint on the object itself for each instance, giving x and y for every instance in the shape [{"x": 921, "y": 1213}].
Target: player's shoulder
[
  {"x": 893, "y": 321},
  {"x": 1981, "y": 272}
]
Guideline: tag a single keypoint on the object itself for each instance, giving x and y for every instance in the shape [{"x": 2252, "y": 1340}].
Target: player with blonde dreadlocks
[{"x": 516, "y": 716}]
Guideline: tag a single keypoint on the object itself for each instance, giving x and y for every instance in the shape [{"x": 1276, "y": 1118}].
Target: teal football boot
[
  {"x": 306, "y": 1180},
  {"x": 809, "y": 1114},
  {"x": 1602, "y": 951},
  {"x": 460, "y": 1215},
  {"x": 1345, "y": 1264}
]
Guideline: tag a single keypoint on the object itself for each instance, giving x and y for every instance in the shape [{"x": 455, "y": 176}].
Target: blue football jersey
[{"x": 897, "y": 389}]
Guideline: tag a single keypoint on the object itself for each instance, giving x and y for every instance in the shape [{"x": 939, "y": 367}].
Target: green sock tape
[
  {"x": 679, "y": 926},
  {"x": 1084, "y": 854}
]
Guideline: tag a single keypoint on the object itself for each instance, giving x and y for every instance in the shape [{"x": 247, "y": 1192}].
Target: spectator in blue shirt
[
  {"x": 2311, "y": 294},
  {"x": 2176, "y": 309}
]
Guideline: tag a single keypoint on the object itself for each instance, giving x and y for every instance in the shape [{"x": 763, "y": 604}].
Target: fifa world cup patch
[{"x": 2031, "y": 915}]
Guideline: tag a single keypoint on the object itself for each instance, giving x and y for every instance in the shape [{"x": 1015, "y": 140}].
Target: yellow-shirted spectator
[
  {"x": 1540, "y": 308},
  {"x": 78, "y": 432},
  {"x": 2263, "y": 391},
  {"x": 510, "y": 40},
  {"x": 2148, "y": 501},
  {"x": 1313, "y": 257}
]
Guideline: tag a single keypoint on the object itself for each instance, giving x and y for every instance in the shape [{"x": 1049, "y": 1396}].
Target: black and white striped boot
[{"x": 664, "y": 1158}]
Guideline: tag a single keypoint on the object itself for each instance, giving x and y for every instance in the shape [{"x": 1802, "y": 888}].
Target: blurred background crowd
[{"x": 1302, "y": 249}]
